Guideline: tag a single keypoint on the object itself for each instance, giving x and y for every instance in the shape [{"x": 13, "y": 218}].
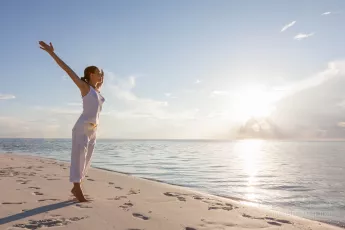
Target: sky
[{"x": 177, "y": 69}]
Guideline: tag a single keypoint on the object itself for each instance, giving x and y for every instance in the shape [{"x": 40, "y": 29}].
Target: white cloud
[
  {"x": 28, "y": 128},
  {"x": 330, "y": 12},
  {"x": 122, "y": 90},
  {"x": 301, "y": 36},
  {"x": 198, "y": 81},
  {"x": 219, "y": 93},
  {"x": 58, "y": 110},
  {"x": 169, "y": 95},
  {"x": 318, "y": 101},
  {"x": 341, "y": 124},
  {"x": 326, "y": 13},
  {"x": 189, "y": 114},
  {"x": 333, "y": 69},
  {"x": 288, "y": 26},
  {"x": 6, "y": 96}
]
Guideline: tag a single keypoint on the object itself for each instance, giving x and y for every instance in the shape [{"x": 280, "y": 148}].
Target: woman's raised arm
[{"x": 50, "y": 50}]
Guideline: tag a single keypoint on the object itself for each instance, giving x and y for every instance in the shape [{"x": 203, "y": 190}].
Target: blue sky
[{"x": 178, "y": 69}]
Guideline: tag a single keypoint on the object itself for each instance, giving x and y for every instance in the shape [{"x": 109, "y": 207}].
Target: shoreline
[
  {"x": 186, "y": 194},
  {"x": 236, "y": 199}
]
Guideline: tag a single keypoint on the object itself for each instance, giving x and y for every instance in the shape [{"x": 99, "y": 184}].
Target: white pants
[{"x": 83, "y": 144}]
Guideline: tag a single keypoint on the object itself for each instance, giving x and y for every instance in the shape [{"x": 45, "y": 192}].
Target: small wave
[{"x": 294, "y": 188}]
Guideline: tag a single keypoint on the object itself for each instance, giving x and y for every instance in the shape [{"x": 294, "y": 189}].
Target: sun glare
[
  {"x": 254, "y": 102},
  {"x": 250, "y": 153}
]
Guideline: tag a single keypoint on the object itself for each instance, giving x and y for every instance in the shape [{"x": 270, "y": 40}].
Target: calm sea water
[{"x": 300, "y": 178}]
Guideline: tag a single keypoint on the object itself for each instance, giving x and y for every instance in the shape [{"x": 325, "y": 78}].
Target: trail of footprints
[
  {"x": 48, "y": 223},
  {"x": 217, "y": 205},
  {"x": 213, "y": 204},
  {"x": 59, "y": 221},
  {"x": 269, "y": 220},
  {"x": 127, "y": 205}
]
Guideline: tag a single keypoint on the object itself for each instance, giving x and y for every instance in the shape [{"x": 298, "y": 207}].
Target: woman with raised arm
[{"x": 85, "y": 129}]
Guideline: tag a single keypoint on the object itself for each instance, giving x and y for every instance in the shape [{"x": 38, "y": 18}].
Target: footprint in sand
[
  {"x": 126, "y": 206},
  {"x": 23, "y": 181},
  {"x": 197, "y": 197},
  {"x": 82, "y": 206},
  {"x": 48, "y": 223},
  {"x": 216, "y": 225},
  {"x": 13, "y": 203},
  {"x": 132, "y": 192},
  {"x": 117, "y": 198},
  {"x": 273, "y": 221},
  {"x": 35, "y": 188},
  {"x": 38, "y": 193},
  {"x": 278, "y": 220},
  {"x": 48, "y": 200},
  {"x": 216, "y": 206},
  {"x": 90, "y": 179},
  {"x": 53, "y": 179},
  {"x": 189, "y": 228},
  {"x": 110, "y": 182},
  {"x": 138, "y": 215},
  {"x": 223, "y": 208},
  {"x": 178, "y": 196}
]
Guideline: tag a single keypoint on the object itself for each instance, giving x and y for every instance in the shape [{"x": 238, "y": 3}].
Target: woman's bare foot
[
  {"x": 73, "y": 191},
  {"x": 78, "y": 193}
]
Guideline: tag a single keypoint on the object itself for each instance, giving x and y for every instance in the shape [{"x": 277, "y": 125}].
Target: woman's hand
[{"x": 49, "y": 48}]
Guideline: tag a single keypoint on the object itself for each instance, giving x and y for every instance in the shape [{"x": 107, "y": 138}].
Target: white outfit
[{"x": 84, "y": 135}]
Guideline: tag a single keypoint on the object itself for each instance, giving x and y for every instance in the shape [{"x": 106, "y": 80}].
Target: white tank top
[{"x": 92, "y": 106}]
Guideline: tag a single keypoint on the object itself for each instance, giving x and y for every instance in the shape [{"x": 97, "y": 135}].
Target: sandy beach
[{"x": 35, "y": 193}]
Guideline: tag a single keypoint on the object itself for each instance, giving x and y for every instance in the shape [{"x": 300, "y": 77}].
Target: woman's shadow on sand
[{"x": 36, "y": 211}]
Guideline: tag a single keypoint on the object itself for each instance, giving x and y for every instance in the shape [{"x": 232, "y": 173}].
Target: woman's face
[{"x": 96, "y": 76}]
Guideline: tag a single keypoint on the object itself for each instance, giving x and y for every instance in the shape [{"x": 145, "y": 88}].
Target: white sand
[{"x": 35, "y": 193}]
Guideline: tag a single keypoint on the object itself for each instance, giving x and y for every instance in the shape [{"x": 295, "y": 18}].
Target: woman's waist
[
  {"x": 87, "y": 120},
  {"x": 86, "y": 126}
]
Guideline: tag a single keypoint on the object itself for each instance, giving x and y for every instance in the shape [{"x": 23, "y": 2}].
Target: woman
[{"x": 84, "y": 130}]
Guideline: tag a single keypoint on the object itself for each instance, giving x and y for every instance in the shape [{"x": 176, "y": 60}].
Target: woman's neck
[{"x": 93, "y": 86}]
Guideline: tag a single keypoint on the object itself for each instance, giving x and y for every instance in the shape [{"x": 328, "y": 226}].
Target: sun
[{"x": 254, "y": 102}]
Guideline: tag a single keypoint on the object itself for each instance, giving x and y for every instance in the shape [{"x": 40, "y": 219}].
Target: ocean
[{"x": 305, "y": 178}]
